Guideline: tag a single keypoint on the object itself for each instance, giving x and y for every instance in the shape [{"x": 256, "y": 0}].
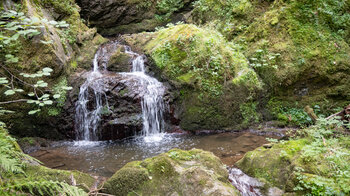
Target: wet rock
[
  {"x": 120, "y": 61},
  {"x": 121, "y": 116},
  {"x": 32, "y": 144},
  {"x": 177, "y": 172},
  {"x": 115, "y": 17}
]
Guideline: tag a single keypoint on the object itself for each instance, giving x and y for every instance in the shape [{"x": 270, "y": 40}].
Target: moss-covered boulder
[
  {"x": 176, "y": 172},
  {"x": 302, "y": 166},
  {"x": 132, "y": 16},
  {"x": 211, "y": 75}
]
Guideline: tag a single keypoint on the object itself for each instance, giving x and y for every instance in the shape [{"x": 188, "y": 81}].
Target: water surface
[{"x": 104, "y": 158}]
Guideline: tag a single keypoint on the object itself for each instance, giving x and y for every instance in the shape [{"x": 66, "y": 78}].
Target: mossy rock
[
  {"x": 119, "y": 61},
  {"x": 83, "y": 180},
  {"x": 179, "y": 172},
  {"x": 206, "y": 69},
  {"x": 288, "y": 166}
]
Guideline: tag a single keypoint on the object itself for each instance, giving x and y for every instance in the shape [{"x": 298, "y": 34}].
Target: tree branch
[{"x": 14, "y": 101}]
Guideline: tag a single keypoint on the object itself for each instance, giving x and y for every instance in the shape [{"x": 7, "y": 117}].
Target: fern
[
  {"x": 10, "y": 157},
  {"x": 42, "y": 187},
  {"x": 13, "y": 163}
]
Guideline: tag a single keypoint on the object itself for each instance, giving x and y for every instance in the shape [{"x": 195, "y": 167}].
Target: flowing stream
[{"x": 89, "y": 108}]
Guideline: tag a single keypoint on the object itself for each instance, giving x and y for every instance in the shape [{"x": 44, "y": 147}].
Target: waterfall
[
  {"x": 89, "y": 108},
  {"x": 152, "y": 101}
]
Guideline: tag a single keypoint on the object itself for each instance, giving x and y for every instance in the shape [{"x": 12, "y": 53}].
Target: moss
[
  {"x": 127, "y": 179},
  {"x": 119, "y": 61},
  {"x": 175, "y": 172},
  {"x": 249, "y": 113},
  {"x": 84, "y": 181},
  {"x": 292, "y": 164}
]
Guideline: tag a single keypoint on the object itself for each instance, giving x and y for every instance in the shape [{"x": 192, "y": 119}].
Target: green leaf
[
  {"x": 46, "y": 42},
  {"x": 47, "y": 70},
  {"x": 45, "y": 96},
  {"x": 48, "y": 102},
  {"x": 33, "y": 111},
  {"x": 31, "y": 101},
  {"x": 56, "y": 96},
  {"x": 9, "y": 92},
  {"x": 67, "y": 88},
  {"x": 4, "y": 81},
  {"x": 41, "y": 83}
]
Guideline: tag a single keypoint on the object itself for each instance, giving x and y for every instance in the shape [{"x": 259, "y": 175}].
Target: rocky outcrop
[
  {"x": 177, "y": 172},
  {"x": 125, "y": 16},
  {"x": 213, "y": 81}
]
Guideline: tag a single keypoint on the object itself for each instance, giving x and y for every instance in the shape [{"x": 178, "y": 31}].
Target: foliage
[
  {"x": 226, "y": 15},
  {"x": 65, "y": 7},
  {"x": 13, "y": 163},
  {"x": 16, "y": 25},
  {"x": 249, "y": 113},
  {"x": 39, "y": 97},
  {"x": 289, "y": 114},
  {"x": 326, "y": 147}
]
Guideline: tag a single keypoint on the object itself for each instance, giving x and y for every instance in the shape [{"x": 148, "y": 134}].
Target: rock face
[
  {"x": 176, "y": 172},
  {"x": 125, "y": 16}
]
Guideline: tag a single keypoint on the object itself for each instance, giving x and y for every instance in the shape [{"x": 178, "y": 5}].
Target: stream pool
[{"x": 105, "y": 158}]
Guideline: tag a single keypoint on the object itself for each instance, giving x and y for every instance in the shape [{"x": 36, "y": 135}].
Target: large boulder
[
  {"x": 125, "y": 16},
  {"x": 215, "y": 87},
  {"x": 177, "y": 172}
]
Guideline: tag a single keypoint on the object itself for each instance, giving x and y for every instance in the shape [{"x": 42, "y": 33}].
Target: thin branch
[{"x": 14, "y": 101}]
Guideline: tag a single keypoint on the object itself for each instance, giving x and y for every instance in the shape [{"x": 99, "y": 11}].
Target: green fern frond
[{"x": 43, "y": 187}]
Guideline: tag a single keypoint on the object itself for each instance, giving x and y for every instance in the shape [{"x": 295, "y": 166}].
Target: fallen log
[{"x": 344, "y": 114}]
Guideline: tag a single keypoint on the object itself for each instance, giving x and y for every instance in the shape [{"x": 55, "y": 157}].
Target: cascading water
[
  {"x": 89, "y": 108},
  {"x": 152, "y": 100}
]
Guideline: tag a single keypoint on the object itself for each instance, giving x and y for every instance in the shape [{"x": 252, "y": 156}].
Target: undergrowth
[{"x": 13, "y": 163}]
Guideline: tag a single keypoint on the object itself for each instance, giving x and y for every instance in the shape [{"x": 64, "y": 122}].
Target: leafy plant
[{"x": 15, "y": 25}]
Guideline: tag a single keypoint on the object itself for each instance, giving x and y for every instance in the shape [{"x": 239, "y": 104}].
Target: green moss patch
[{"x": 175, "y": 172}]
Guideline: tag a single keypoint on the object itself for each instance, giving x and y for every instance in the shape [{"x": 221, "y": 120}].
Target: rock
[
  {"x": 32, "y": 144},
  {"x": 182, "y": 56},
  {"x": 177, "y": 172},
  {"x": 122, "y": 115},
  {"x": 267, "y": 145},
  {"x": 287, "y": 165},
  {"x": 120, "y": 61},
  {"x": 123, "y": 16}
]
